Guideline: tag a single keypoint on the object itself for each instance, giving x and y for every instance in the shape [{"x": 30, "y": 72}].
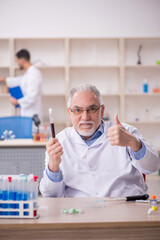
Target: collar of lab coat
[{"x": 78, "y": 139}]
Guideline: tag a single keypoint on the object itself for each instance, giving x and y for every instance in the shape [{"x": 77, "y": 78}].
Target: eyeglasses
[{"x": 90, "y": 110}]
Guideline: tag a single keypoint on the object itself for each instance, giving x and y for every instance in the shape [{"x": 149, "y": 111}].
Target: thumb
[{"x": 116, "y": 120}]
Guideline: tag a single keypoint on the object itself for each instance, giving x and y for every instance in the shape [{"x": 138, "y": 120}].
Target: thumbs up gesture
[{"x": 119, "y": 136}]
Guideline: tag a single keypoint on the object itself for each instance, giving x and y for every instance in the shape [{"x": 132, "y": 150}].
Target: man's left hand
[
  {"x": 14, "y": 101},
  {"x": 119, "y": 136}
]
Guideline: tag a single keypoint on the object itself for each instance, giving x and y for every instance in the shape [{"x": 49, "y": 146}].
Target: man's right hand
[
  {"x": 55, "y": 152},
  {"x": 2, "y": 79}
]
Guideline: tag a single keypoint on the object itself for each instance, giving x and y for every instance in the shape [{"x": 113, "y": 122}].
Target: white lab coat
[
  {"x": 99, "y": 170},
  {"x": 31, "y": 86}
]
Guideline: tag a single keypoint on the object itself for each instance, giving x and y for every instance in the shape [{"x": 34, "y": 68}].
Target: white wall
[{"x": 79, "y": 18}]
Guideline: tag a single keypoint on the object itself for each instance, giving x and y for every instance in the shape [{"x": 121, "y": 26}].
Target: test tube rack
[{"x": 18, "y": 209}]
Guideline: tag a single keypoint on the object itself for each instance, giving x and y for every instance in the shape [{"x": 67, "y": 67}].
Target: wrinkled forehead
[{"x": 84, "y": 99}]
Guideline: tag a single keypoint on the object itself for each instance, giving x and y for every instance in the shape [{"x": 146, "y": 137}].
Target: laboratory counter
[
  {"x": 99, "y": 220},
  {"x": 21, "y": 143}
]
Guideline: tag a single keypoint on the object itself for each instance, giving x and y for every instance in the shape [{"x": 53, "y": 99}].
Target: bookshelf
[{"x": 108, "y": 63}]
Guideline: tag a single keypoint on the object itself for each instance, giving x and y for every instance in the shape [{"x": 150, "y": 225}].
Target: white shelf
[
  {"x": 47, "y": 51},
  {"x": 149, "y": 52},
  {"x": 93, "y": 52},
  {"x": 4, "y": 53},
  {"x": 99, "y": 77},
  {"x": 108, "y": 63}
]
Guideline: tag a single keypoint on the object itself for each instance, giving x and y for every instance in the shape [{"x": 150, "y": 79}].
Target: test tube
[
  {"x": 35, "y": 187},
  {"x": 30, "y": 182},
  {"x": 10, "y": 194},
  {"x": 21, "y": 187},
  {"x": 25, "y": 189},
  {"x": 51, "y": 122},
  {"x": 48, "y": 133},
  {"x": 0, "y": 194},
  {"x": 0, "y": 188},
  {"x": 16, "y": 192},
  {"x": 4, "y": 195},
  {"x": 10, "y": 188}
]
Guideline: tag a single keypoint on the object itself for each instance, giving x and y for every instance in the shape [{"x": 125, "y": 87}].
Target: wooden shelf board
[
  {"x": 94, "y": 66},
  {"x": 2, "y": 67},
  {"x": 53, "y": 95},
  {"x": 143, "y": 122},
  {"x": 143, "y": 95},
  {"x": 45, "y": 67},
  {"x": 4, "y": 94},
  {"x": 142, "y": 66}
]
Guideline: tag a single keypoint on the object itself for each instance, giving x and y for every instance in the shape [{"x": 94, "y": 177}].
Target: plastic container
[
  {"x": 20, "y": 126},
  {"x": 145, "y": 86}
]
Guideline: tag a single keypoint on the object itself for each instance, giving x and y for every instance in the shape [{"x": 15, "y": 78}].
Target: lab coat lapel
[
  {"x": 76, "y": 137},
  {"x": 104, "y": 136}
]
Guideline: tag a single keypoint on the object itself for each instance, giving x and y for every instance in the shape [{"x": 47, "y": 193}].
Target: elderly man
[{"x": 94, "y": 158}]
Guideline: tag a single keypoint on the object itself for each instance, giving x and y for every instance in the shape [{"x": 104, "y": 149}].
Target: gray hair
[{"x": 85, "y": 87}]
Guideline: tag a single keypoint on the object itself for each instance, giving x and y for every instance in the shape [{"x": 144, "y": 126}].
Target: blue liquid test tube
[
  {"x": 1, "y": 188},
  {"x": 4, "y": 195},
  {"x": 21, "y": 187},
  {"x": 10, "y": 194},
  {"x": 0, "y": 194},
  {"x": 15, "y": 194},
  {"x": 26, "y": 191}
]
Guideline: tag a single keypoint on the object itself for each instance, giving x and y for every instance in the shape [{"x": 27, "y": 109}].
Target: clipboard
[{"x": 16, "y": 92}]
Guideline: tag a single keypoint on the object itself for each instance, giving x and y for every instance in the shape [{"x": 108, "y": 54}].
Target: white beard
[{"x": 86, "y": 132}]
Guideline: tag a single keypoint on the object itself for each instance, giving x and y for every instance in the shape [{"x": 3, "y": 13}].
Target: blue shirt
[{"x": 57, "y": 176}]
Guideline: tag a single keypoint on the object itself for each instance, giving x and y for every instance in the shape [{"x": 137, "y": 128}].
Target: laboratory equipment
[
  {"x": 138, "y": 54},
  {"x": 51, "y": 122},
  {"x": 106, "y": 116},
  {"x": 156, "y": 90},
  {"x": 128, "y": 198},
  {"x": 7, "y": 135},
  {"x": 18, "y": 196},
  {"x": 36, "y": 120},
  {"x": 41, "y": 135},
  {"x": 145, "y": 86},
  {"x": 153, "y": 203},
  {"x": 72, "y": 211}
]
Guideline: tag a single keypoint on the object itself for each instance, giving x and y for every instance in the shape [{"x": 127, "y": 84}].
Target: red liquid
[{"x": 52, "y": 130}]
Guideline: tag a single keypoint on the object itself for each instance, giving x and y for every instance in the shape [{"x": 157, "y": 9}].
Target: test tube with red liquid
[{"x": 51, "y": 122}]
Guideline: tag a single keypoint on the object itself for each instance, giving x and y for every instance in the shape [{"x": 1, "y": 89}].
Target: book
[{"x": 16, "y": 92}]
